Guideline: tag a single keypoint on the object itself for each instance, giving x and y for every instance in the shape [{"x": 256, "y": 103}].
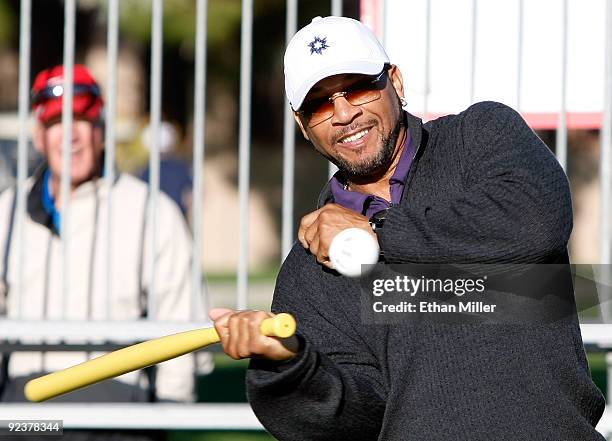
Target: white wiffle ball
[{"x": 352, "y": 248}]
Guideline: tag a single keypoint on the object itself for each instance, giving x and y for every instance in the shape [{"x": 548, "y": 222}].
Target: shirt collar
[{"x": 364, "y": 203}]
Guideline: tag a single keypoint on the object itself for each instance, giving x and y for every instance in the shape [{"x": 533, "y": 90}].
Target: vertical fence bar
[
  {"x": 156, "y": 75},
  {"x": 383, "y": 23},
  {"x": 25, "y": 25},
  {"x": 561, "y": 135},
  {"x": 288, "y": 146},
  {"x": 109, "y": 149},
  {"x": 69, "y": 31},
  {"x": 426, "y": 64},
  {"x": 199, "y": 139},
  {"x": 609, "y": 374},
  {"x": 605, "y": 173},
  {"x": 473, "y": 53},
  {"x": 244, "y": 156},
  {"x": 336, "y": 10},
  {"x": 519, "y": 56}
]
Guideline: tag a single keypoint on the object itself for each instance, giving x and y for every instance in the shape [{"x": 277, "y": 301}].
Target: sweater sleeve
[
  {"x": 332, "y": 389},
  {"x": 511, "y": 204}
]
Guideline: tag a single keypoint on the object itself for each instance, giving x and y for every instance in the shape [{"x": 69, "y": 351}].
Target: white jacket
[{"x": 42, "y": 296}]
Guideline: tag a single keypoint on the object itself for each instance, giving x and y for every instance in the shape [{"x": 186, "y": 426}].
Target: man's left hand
[{"x": 317, "y": 229}]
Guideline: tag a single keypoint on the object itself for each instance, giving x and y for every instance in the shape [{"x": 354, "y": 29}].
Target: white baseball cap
[{"x": 329, "y": 46}]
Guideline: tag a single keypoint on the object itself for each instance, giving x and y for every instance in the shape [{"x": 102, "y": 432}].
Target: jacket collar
[{"x": 35, "y": 206}]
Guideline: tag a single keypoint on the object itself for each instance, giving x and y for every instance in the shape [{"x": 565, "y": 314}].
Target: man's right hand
[{"x": 241, "y": 337}]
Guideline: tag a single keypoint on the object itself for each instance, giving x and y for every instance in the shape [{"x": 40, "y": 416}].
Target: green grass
[
  {"x": 226, "y": 382},
  {"x": 266, "y": 275},
  {"x": 597, "y": 363}
]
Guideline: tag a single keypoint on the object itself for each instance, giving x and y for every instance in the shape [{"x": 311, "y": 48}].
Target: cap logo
[{"x": 318, "y": 45}]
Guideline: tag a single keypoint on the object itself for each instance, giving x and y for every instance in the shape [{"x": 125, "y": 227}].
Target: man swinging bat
[{"x": 479, "y": 186}]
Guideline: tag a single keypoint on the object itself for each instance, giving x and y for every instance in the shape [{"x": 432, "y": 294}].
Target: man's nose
[
  {"x": 344, "y": 111},
  {"x": 74, "y": 136}
]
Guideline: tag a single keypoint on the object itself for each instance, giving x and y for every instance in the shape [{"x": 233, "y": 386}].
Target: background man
[
  {"x": 42, "y": 296},
  {"x": 474, "y": 187},
  {"x": 175, "y": 173}
]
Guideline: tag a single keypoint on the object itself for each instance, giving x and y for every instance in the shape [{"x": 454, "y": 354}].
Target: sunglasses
[
  {"x": 362, "y": 92},
  {"x": 54, "y": 92}
]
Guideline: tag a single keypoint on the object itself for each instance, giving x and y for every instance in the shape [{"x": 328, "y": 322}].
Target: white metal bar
[
  {"x": 288, "y": 146},
  {"x": 109, "y": 150},
  {"x": 519, "y": 56},
  {"x": 96, "y": 330},
  {"x": 605, "y": 172},
  {"x": 383, "y": 21},
  {"x": 25, "y": 25},
  {"x": 474, "y": 39},
  {"x": 561, "y": 135},
  {"x": 426, "y": 64},
  {"x": 67, "y": 120},
  {"x": 200, "y": 416},
  {"x": 331, "y": 170},
  {"x": 156, "y": 74},
  {"x": 605, "y": 423},
  {"x": 609, "y": 374},
  {"x": 599, "y": 335},
  {"x": 199, "y": 140},
  {"x": 336, "y": 9},
  {"x": 244, "y": 156}
]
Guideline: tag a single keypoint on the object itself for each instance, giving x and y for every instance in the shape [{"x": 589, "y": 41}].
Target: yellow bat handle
[{"x": 139, "y": 356}]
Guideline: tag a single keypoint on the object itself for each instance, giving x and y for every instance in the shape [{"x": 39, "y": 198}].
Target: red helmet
[{"x": 48, "y": 90}]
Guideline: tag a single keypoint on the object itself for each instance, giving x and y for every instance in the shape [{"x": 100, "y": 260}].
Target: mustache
[{"x": 351, "y": 128}]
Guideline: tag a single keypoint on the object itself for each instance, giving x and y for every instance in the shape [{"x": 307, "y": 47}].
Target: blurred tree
[
  {"x": 8, "y": 20},
  {"x": 179, "y": 21}
]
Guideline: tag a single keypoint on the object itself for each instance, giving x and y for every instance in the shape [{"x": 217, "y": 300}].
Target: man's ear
[
  {"x": 38, "y": 137},
  {"x": 396, "y": 80},
  {"x": 298, "y": 120}
]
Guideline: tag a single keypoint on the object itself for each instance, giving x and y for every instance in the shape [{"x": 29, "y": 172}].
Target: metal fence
[{"x": 206, "y": 416}]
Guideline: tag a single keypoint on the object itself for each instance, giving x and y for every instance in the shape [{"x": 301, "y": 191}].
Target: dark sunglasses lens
[
  {"x": 358, "y": 97},
  {"x": 318, "y": 111},
  {"x": 80, "y": 89},
  {"x": 362, "y": 92},
  {"x": 366, "y": 91},
  {"x": 57, "y": 91}
]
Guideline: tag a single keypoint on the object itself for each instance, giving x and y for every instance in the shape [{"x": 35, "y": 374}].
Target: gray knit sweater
[{"x": 483, "y": 188}]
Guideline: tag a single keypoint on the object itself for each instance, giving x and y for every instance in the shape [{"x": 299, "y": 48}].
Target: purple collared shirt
[{"x": 368, "y": 204}]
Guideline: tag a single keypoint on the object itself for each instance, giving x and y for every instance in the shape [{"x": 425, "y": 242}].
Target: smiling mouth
[{"x": 355, "y": 137}]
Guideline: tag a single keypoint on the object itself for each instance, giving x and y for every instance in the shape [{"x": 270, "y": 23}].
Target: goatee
[{"x": 355, "y": 171}]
